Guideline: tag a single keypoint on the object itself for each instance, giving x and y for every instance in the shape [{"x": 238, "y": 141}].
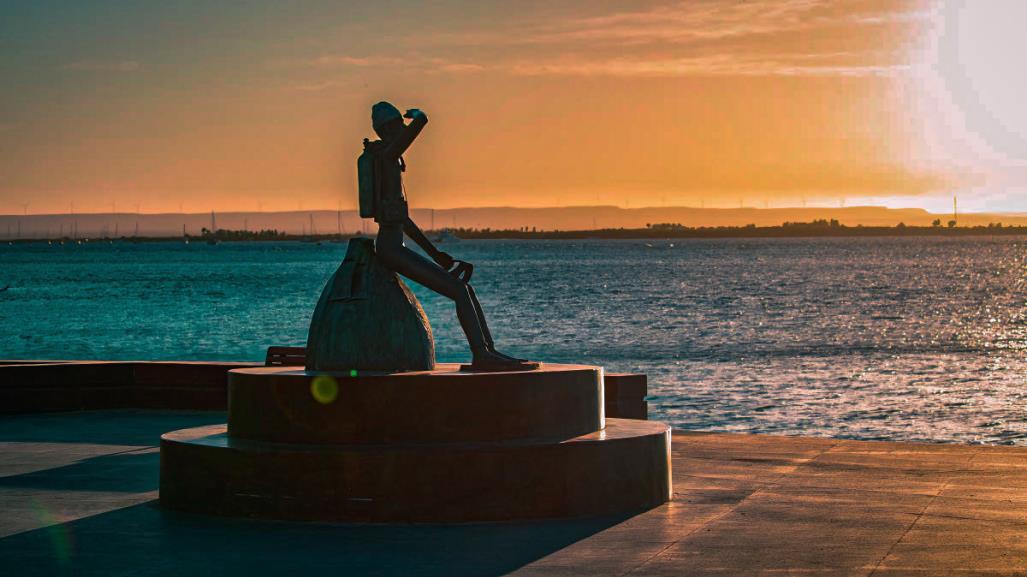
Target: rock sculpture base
[{"x": 368, "y": 319}]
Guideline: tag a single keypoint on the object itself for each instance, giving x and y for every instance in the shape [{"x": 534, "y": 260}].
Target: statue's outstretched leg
[{"x": 425, "y": 272}]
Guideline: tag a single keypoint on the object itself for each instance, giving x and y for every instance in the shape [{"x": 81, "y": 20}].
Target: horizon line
[{"x": 509, "y": 207}]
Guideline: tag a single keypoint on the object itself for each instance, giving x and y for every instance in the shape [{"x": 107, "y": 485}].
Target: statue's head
[{"x": 387, "y": 120}]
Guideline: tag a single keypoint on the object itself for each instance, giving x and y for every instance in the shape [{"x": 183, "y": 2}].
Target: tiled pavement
[{"x": 78, "y": 490}]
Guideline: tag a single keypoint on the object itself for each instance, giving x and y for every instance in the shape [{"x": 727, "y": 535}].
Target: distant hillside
[{"x": 562, "y": 218}]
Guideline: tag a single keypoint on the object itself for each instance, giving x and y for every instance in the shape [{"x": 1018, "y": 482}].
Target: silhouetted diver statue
[{"x": 382, "y": 197}]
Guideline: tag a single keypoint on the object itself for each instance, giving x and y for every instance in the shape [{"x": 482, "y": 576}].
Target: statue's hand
[
  {"x": 463, "y": 271},
  {"x": 444, "y": 260},
  {"x": 412, "y": 113}
]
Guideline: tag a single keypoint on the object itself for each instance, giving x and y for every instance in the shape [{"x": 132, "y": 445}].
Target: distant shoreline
[
  {"x": 817, "y": 229},
  {"x": 788, "y": 230},
  {"x": 590, "y": 220}
]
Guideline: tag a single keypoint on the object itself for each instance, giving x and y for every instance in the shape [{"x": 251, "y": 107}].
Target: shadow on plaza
[
  {"x": 133, "y": 427},
  {"x": 145, "y": 540},
  {"x": 133, "y": 472},
  {"x": 131, "y": 464}
]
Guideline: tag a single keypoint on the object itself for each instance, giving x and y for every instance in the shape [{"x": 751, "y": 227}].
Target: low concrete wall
[
  {"x": 44, "y": 386},
  {"x": 84, "y": 385},
  {"x": 625, "y": 395}
]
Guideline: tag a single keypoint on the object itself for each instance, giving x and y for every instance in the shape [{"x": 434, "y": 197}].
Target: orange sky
[{"x": 242, "y": 106}]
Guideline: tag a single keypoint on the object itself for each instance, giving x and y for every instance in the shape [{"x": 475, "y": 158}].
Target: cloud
[
  {"x": 715, "y": 65},
  {"x": 334, "y": 60},
  {"x": 429, "y": 64},
  {"x": 691, "y": 21},
  {"x": 692, "y": 38},
  {"x": 686, "y": 21},
  {"x": 103, "y": 66},
  {"x": 315, "y": 86},
  {"x": 706, "y": 37},
  {"x": 441, "y": 65}
]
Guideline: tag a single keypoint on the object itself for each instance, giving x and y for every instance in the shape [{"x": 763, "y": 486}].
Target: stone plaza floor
[{"x": 78, "y": 497}]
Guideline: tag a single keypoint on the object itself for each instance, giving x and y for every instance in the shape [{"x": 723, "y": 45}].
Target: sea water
[{"x": 870, "y": 338}]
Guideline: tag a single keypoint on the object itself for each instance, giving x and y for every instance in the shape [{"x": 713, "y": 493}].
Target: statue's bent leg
[{"x": 423, "y": 271}]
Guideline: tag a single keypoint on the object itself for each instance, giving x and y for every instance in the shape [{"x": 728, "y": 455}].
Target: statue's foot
[
  {"x": 490, "y": 361},
  {"x": 508, "y": 357}
]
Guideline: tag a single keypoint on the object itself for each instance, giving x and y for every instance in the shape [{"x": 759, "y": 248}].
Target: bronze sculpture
[{"x": 382, "y": 197}]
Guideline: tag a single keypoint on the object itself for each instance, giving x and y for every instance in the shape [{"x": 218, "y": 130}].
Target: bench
[{"x": 286, "y": 357}]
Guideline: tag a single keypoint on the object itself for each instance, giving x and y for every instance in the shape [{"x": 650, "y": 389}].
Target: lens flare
[
  {"x": 61, "y": 538},
  {"x": 324, "y": 389}
]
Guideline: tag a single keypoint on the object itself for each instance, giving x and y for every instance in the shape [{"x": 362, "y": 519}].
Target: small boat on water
[
  {"x": 213, "y": 230},
  {"x": 446, "y": 236}
]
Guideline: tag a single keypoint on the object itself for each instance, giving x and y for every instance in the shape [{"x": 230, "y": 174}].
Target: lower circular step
[{"x": 621, "y": 469}]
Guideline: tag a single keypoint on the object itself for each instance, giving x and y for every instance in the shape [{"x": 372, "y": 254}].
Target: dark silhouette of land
[
  {"x": 817, "y": 228},
  {"x": 322, "y": 223}
]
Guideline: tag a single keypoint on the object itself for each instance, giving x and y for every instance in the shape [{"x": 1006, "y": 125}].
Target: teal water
[{"x": 872, "y": 338}]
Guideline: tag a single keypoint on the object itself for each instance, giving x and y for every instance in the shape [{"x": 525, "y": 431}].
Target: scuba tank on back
[
  {"x": 369, "y": 178},
  {"x": 375, "y": 202}
]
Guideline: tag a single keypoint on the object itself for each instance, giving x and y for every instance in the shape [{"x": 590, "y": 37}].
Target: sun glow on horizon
[{"x": 969, "y": 101}]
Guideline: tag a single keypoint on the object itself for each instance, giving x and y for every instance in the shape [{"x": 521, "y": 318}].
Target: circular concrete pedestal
[
  {"x": 438, "y": 446},
  {"x": 440, "y": 406}
]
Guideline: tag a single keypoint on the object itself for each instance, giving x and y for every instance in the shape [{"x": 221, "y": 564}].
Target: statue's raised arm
[{"x": 405, "y": 136}]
